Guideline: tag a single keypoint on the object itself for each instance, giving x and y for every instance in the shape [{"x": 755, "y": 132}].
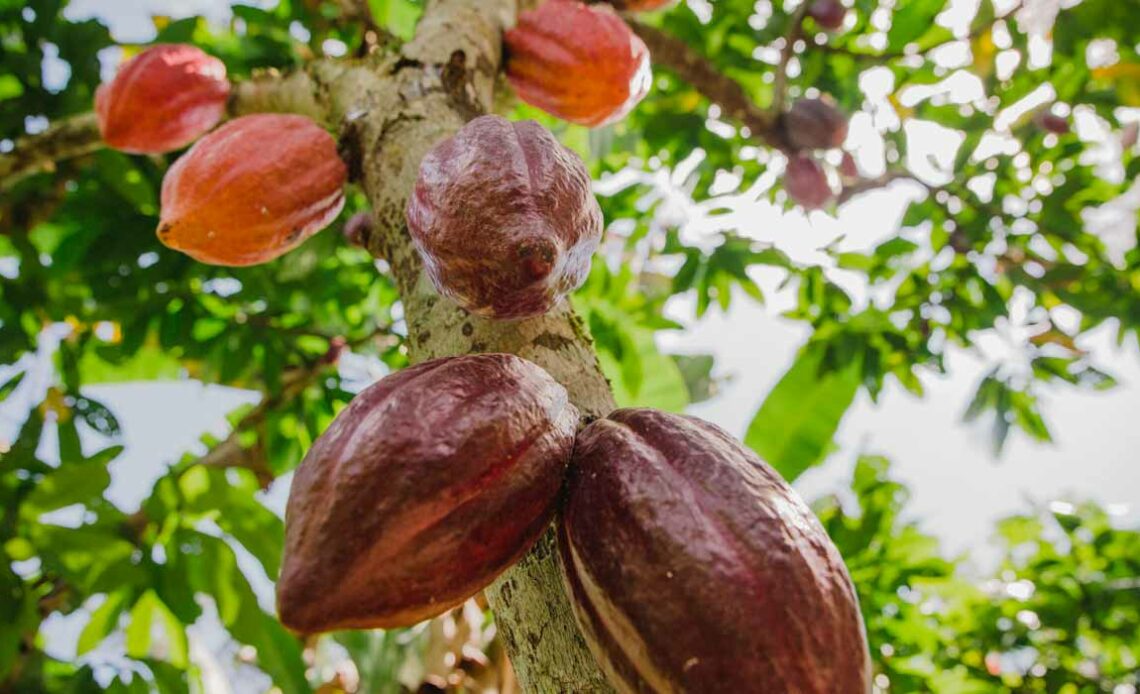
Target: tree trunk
[{"x": 392, "y": 111}]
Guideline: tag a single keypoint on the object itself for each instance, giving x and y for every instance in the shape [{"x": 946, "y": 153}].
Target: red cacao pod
[
  {"x": 829, "y": 14},
  {"x": 693, "y": 567},
  {"x": 578, "y": 62},
  {"x": 251, "y": 190},
  {"x": 426, "y": 487},
  {"x": 504, "y": 218},
  {"x": 162, "y": 99},
  {"x": 815, "y": 124},
  {"x": 806, "y": 182}
]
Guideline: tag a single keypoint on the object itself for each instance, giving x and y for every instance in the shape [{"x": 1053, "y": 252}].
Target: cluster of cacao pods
[
  {"x": 690, "y": 564},
  {"x": 260, "y": 185},
  {"x": 813, "y": 124},
  {"x": 243, "y": 194}
]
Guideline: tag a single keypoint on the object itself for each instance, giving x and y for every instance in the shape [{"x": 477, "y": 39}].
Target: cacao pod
[
  {"x": 693, "y": 567},
  {"x": 848, "y": 169},
  {"x": 642, "y": 5},
  {"x": 829, "y": 14},
  {"x": 427, "y": 486},
  {"x": 251, "y": 190},
  {"x": 162, "y": 99},
  {"x": 806, "y": 182},
  {"x": 578, "y": 62},
  {"x": 1052, "y": 123},
  {"x": 815, "y": 124},
  {"x": 504, "y": 218},
  {"x": 358, "y": 228}
]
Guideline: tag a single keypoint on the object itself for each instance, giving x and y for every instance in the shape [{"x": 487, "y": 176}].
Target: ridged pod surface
[
  {"x": 578, "y": 62},
  {"x": 252, "y": 190},
  {"x": 694, "y": 567},
  {"x": 427, "y": 486},
  {"x": 504, "y": 218},
  {"x": 162, "y": 99}
]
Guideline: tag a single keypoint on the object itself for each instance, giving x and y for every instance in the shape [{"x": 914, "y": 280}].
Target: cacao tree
[{"x": 126, "y": 257}]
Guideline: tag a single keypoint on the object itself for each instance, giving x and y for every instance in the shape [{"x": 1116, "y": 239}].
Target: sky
[{"x": 958, "y": 488}]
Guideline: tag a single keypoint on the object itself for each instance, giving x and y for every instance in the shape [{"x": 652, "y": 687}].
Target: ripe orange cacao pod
[
  {"x": 162, "y": 99},
  {"x": 251, "y": 190},
  {"x": 693, "y": 567},
  {"x": 806, "y": 182},
  {"x": 427, "y": 486},
  {"x": 578, "y": 62},
  {"x": 815, "y": 124},
  {"x": 829, "y": 14},
  {"x": 504, "y": 218}
]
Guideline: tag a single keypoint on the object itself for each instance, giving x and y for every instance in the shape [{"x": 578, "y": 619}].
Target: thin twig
[
  {"x": 793, "y": 34},
  {"x": 714, "y": 85}
]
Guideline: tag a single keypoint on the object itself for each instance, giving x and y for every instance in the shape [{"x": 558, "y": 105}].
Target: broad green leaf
[{"x": 795, "y": 424}]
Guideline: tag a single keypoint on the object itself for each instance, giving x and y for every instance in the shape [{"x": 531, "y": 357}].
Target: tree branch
[
  {"x": 300, "y": 92},
  {"x": 714, "y": 85},
  {"x": 795, "y": 30},
  {"x": 65, "y": 139}
]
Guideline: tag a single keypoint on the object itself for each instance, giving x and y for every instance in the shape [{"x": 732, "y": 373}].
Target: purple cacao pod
[
  {"x": 806, "y": 182},
  {"x": 504, "y": 218},
  {"x": 424, "y": 489},
  {"x": 815, "y": 124},
  {"x": 693, "y": 567}
]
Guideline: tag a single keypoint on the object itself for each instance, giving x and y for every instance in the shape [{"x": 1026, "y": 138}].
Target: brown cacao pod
[
  {"x": 1051, "y": 122},
  {"x": 251, "y": 190},
  {"x": 427, "y": 486},
  {"x": 578, "y": 62},
  {"x": 504, "y": 218},
  {"x": 806, "y": 182},
  {"x": 693, "y": 567},
  {"x": 815, "y": 124},
  {"x": 829, "y": 14},
  {"x": 162, "y": 99}
]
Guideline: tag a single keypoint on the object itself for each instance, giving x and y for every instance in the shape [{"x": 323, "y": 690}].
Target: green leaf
[
  {"x": 103, "y": 621},
  {"x": 72, "y": 483},
  {"x": 795, "y": 424}
]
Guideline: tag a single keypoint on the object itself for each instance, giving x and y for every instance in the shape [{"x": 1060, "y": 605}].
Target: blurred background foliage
[{"x": 1002, "y": 234}]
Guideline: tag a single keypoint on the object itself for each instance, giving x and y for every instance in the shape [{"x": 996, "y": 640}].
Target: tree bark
[{"x": 444, "y": 77}]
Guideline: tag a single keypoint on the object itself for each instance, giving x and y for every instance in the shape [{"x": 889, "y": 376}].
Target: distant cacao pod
[
  {"x": 358, "y": 228},
  {"x": 504, "y": 218},
  {"x": 806, "y": 183},
  {"x": 427, "y": 486},
  {"x": 251, "y": 190},
  {"x": 578, "y": 62},
  {"x": 693, "y": 567},
  {"x": 1051, "y": 122},
  {"x": 642, "y": 5},
  {"x": 162, "y": 99},
  {"x": 815, "y": 124},
  {"x": 829, "y": 14},
  {"x": 848, "y": 169}
]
